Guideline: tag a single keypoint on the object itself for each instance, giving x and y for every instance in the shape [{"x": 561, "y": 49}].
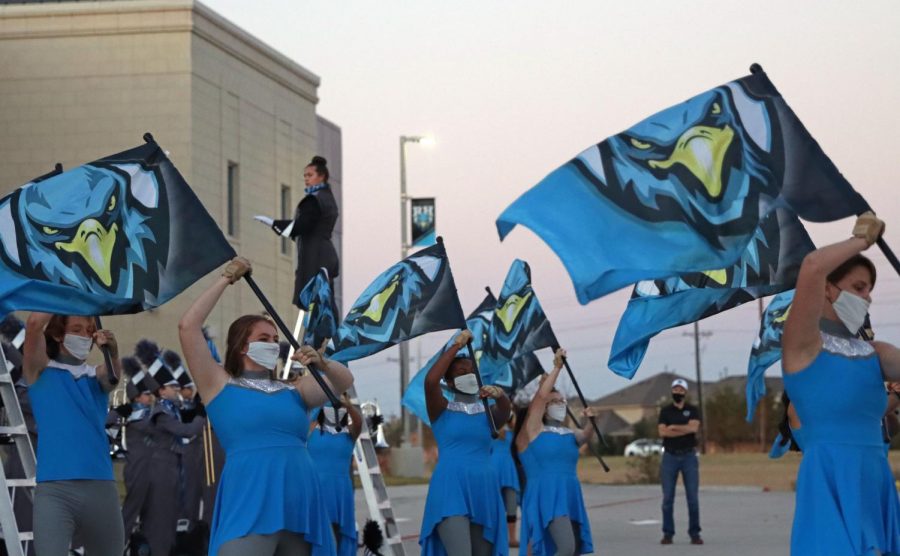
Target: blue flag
[
  {"x": 414, "y": 297},
  {"x": 681, "y": 191},
  {"x": 522, "y": 370},
  {"x": 477, "y": 323},
  {"x": 767, "y": 348},
  {"x": 768, "y": 266},
  {"x": 119, "y": 235},
  {"x": 518, "y": 326},
  {"x": 319, "y": 322}
]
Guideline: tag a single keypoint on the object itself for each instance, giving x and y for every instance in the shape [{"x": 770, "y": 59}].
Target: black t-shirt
[{"x": 671, "y": 415}]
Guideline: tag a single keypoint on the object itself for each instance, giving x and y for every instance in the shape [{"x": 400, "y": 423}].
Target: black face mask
[{"x": 678, "y": 398}]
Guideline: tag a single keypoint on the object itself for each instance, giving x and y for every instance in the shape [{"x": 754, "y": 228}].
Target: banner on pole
[{"x": 422, "y": 221}]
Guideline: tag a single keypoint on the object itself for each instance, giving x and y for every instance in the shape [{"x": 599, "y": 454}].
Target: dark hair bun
[{"x": 318, "y": 161}]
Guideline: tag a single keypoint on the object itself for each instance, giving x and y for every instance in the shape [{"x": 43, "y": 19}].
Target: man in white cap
[{"x": 678, "y": 426}]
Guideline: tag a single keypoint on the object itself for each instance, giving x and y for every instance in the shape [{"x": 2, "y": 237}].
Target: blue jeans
[{"x": 689, "y": 467}]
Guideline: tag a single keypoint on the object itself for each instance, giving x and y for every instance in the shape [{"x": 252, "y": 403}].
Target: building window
[
  {"x": 232, "y": 198},
  {"x": 285, "y": 215}
]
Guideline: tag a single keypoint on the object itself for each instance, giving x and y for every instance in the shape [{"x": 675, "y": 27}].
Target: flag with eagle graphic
[
  {"x": 319, "y": 322},
  {"x": 682, "y": 191},
  {"x": 521, "y": 371},
  {"x": 768, "y": 266},
  {"x": 477, "y": 323},
  {"x": 767, "y": 348},
  {"x": 518, "y": 327},
  {"x": 118, "y": 235},
  {"x": 413, "y": 297}
]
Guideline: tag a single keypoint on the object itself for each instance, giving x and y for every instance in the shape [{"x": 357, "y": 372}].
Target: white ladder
[
  {"x": 17, "y": 542},
  {"x": 372, "y": 481}
]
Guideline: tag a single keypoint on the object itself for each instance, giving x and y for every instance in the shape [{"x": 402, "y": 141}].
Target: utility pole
[
  {"x": 764, "y": 409},
  {"x": 696, "y": 334}
]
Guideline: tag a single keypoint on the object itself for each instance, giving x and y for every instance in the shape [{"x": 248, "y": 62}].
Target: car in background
[{"x": 643, "y": 447}]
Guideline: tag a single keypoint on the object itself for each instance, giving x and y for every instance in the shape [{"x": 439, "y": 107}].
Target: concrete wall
[{"x": 84, "y": 80}]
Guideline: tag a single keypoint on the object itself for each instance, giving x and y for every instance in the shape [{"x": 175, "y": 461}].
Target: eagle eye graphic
[
  {"x": 50, "y": 231},
  {"x": 112, "y": 204},
  {"x": 638, "y": 144},
  {"x": 716, "y": 109}
]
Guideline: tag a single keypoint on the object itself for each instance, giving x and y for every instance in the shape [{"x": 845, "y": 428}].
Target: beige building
[{"x": 81, "y": 80}]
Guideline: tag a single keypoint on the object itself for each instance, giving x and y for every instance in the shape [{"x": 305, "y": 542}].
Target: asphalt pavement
[{"x": 626, "y": 520}]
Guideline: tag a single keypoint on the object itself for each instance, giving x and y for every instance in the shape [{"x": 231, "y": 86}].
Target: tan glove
[
  {"x": 237, "y": 268},
  {"x": 462, "y": 339},
  {"x": 491, "y": 391},
  {"x": 868, "y": 227},
  {"x": 559, "y": 358}
]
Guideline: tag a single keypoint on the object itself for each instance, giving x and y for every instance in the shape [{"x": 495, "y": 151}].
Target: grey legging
[
  {"x": 90, "y": 508},
  {"x": 565, "y": 536},
  {"x": 509, "y": 502},
  {"x": 282, "y": 543},
  {"x": 463, "y": 538}
]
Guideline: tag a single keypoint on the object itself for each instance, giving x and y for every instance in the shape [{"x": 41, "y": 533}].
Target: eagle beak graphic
[
  {"x": 718, "y": 276},
  {"x": 95, "y": 244},
  {"x": 376, "y": 306},
  {"x": 783, "y": 317},
  {"x": 511, "y": 309},
  {"x": 701, "y": 149}
]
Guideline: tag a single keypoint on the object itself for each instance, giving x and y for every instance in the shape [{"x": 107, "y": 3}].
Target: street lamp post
[{"x": 404, "y": 251}]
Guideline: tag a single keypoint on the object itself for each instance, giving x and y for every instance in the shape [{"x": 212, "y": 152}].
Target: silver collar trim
[
  {"x": 467, "y": 408},
  {"x": 558, "y": 430},
  {"x": 77, "y": 371},
  {"x": 264, "y": 385},
  {"x": 847, "y": 347}
]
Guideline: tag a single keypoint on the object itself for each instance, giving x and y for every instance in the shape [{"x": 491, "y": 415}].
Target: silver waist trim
[{"x": 558, "y": 430}]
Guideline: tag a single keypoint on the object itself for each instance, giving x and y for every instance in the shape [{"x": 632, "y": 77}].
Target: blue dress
[
  {"x": 502, "y": 462},
  {"x": 846, "y": 500},
  {"x": 332, "y": 452},
  {"x": 269, "y": 482},
  {"x": 463, "y": 482},
  {"x": 553, "y": 490}
]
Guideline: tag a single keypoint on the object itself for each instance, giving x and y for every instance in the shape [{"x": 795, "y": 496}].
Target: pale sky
[{"x": 512, "y": 89}]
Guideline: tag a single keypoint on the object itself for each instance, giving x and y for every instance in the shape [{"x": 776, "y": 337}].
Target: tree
[{"x": 725, "y": 423}]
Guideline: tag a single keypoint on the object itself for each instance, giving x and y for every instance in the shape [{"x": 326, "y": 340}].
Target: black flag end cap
[{"x": 755, "y": 68}]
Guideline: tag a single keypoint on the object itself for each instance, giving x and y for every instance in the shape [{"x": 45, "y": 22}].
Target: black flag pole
[
  {"x": 315, "y": 372},
  {"x": 584, "y": 403},
  {"x": 487, "y": 406},
  {"x": 107, "y": 356}
]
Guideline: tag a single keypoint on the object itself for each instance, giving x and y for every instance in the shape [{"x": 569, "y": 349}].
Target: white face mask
[
  {"x": 78, "y": 346},
  {"x": 557, "y": 412},
  {"x": 466, "y": 384},
  {"x": 852, "y": 310},
  {"x": 264, "y": 354},
  {"x": 330, "y": 417}
]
